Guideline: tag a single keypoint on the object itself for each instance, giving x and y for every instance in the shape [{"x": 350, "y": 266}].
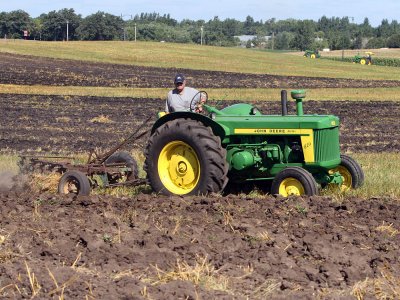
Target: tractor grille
[{"x": 326, "y": 144}]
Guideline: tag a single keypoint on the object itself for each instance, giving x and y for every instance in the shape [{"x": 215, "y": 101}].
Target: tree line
[{"x": 290, "y": 34}]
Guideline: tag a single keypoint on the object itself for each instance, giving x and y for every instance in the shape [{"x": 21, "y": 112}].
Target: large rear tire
[
  {"x": 74, "y": 182},
  {"x": 351, "y": 172},
  {"x": 294, "y": 181},
  {"x": 184, "y": 157}
]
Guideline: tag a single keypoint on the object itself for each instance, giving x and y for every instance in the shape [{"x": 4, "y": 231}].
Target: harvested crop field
[
  {"x": 29, "y": 70},
  {"x": 234, "y": 247},
  {"x": 149, "y": 246},
  {"x": 78, "y": 124}
]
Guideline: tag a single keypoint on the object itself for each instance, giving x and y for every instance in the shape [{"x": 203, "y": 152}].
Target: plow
[
  {"x": 111, "y": 169},
  {"x": 200, "y": 151}
]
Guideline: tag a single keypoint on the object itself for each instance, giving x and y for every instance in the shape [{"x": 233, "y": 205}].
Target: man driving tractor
[{"x": 181, "y": 97}]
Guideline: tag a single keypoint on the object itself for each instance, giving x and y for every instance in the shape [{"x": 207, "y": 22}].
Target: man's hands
[
  {"x": 196, "y": 105},
  {"x": 199, "y": 105}
]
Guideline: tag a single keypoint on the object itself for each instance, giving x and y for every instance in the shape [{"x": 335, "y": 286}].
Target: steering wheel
[{"x": 197, "y": 105}]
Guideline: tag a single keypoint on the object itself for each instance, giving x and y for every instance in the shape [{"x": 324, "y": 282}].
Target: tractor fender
[{"x": 217, "y": 129}]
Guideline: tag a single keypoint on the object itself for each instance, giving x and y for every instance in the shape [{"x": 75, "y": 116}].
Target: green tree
[
  {"x": 231, "y": 27},
  {"x": 324, "y": 24},
  {"x": 304, "y": 35},
  {"x": 100, "y": 27},
  {"x": 14, "y": 23},
  {"x": 53, "y": 26},
  {"x": 357, "y": 44},
  {"x": 159, "y": 32},
  {"x": 249, "y": 44},
  {"x": 376, "y": 42},
  {"x": 194, "y": 29},
  {"x": 394, "y": 41},
  {"x": 283, "y": 40},
  {"x": 214, "y": 34},
  {"x": 37, "y": 29},
  {"x": 384, "y": 29},
  {"x": 366, "y": 29},
  {"x": 249, "y": 26}
]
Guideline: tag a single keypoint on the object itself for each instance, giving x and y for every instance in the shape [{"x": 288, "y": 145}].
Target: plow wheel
[
  {"x": 351, "y": 172},
  {"x": 74, "y": 182},
  {"x": 184, "y": 157},
  {"x": 125, "y": 159},
  {"x": 294, "y": 181}
]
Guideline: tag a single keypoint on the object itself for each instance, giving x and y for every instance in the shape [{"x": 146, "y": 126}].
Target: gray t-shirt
[{"x": 177, "y": 102}]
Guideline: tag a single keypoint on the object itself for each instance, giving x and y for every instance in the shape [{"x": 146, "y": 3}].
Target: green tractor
[
  {"x": 363, "y": 60},
  {"x": 191, "y": 153},
  {"x": 312, "y": 54}
]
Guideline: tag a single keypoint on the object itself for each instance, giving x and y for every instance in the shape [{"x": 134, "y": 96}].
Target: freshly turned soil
[{"x": 103, "y": 247}]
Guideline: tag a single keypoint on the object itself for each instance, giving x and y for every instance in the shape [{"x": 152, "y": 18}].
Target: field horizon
[{"x": 191, "y": 56}]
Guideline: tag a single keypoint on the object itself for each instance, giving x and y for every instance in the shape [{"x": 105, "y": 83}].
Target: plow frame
[{"x": 107, "y": 173}]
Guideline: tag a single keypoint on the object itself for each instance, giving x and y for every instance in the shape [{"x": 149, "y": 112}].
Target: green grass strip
[
  {"x": 381, "y": 175},
  {"x": 359, "y": 94},
  {"x": 191, "y": 56}
]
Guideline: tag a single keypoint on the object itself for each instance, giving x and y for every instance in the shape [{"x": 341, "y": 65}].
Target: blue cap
[{"x": 179, "y": 78}]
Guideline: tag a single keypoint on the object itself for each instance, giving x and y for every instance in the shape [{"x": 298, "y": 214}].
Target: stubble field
[{"x": 153, "y": 247}]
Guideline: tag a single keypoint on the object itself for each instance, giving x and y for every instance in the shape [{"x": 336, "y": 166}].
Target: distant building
[{"x": 244, "y": 39}]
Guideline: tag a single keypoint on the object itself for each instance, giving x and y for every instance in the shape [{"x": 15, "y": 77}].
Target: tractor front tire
[
  {"x": 74, "y": 182},
  {"x": 294, "y": 181},
  {"x": 351, "y": 172},
  {"x": 184, "y": 157}
]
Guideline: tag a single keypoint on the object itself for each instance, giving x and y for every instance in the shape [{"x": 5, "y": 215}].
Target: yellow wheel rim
[
  {"x": 362, "y": 61},
  {"x": 179, "y": 167},
  {"x": 291, "y": 186},
  {"x": 312, "y": 55},
  {"x": 346, "y": 177}
]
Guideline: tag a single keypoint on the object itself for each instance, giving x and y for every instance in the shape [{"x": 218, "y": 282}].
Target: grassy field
[
  {"x": 198, "y": 57},
  {"x": 378, "y": 168},
  {"x": 205, "y": 58},
  {"x": 381, "y": 53},
  {"x": 260, "y": 94}
]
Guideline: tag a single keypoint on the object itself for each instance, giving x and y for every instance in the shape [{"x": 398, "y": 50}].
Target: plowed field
[
  {"x": 28, "y": 70},
  {"x": 154, "y": 247},
  {"x": 233, "y": 247},
  {"x": 73, "y": 124}
]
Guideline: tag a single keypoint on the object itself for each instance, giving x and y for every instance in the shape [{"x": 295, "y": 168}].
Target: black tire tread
[
  {"x": 310, "y": 185},
  {"x": 355, "y": 170},
  {"x": 127, "y": 159},
  {"x": 82, "y": 179},
  {"x": 211, "y": 147}
]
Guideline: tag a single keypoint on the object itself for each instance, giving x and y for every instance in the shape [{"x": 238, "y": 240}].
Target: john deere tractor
[
  {"x": 363, "y": 60},
  {"x": 312, "y": 54},
  {"x": 191, "y": 153}
]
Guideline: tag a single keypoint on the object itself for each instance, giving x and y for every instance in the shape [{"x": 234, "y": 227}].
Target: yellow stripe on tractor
[{"x": 306, "y": 136}]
